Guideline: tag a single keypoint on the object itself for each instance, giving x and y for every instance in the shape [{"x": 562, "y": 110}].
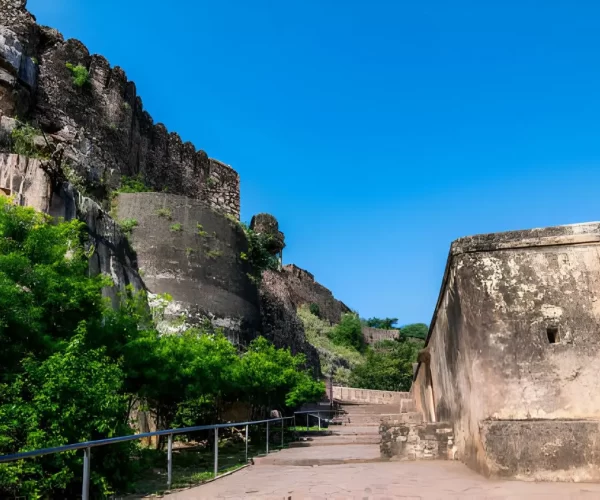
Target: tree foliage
[
  {"x": 383, "y": 323},
  {"x": 71, "y": 367},
  {"x": 348, "y": 332},
  {"x": 415, "y": 330},
  {"x": 259, "y": 254},
  {"x": 388, "y": 367}
]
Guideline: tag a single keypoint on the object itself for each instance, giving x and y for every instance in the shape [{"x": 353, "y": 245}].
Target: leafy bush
[
  {"x": 133, "y": 184},
  {"x": 415, "y": 330},
  {"x": 164, "y": 212},
  {"x": 315, "y": 309},
  {"x": 176, "y": 227},
  {"x": 23, "y": 140},
  {"x": 383, "y": 323},
  {"x": 387, "y": 368},
  {"x": 258, "y": 253},
  {"x": 332, "y": 356},
  {"x": 127, "y": 225},
  {"x": 79, "y": 75},
  {"x": 348, "y": 332}
]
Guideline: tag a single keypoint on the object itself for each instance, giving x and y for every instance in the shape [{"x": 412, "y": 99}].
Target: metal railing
[
  {"x": 311, "y": 413},
  {"x": 88, "y": 445}
]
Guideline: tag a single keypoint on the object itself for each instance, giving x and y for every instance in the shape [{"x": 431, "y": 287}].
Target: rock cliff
[{"x": 88, "y": 133}]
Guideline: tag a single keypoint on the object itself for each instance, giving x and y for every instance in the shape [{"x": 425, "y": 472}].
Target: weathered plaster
[{"x": 491, "y": 358}]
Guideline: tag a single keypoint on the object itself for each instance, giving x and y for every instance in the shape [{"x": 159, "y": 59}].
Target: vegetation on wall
[
  {"x": 72, "y": 368},
  {"x": 80, "y": 76},
  {"x": 23, "y": 140},
  {"x": 258, "y": 255},
  {"x": 415, "y": 330},
  {"x": 382, "y": 323},
  {"x": 385, "y": 366}
]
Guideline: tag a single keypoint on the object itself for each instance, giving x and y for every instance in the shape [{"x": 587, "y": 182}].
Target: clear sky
[{"x": 376, "y": 132}]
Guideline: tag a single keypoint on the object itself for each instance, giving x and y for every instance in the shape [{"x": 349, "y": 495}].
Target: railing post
[
  {"x": 267, "y": 437},
  {"x": 319, "y": 417},
  {"x": 246, "y": 443},
  {"x": 85, "y": 489},
  {"x": 282, "y": 433},
  {"x": 216, "y": 451},
  {"x": 170, "y": 461},
  {"x": 307, "y": 422}
]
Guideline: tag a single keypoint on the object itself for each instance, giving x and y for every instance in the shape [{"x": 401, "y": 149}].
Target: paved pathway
[{"x": 439, "y": 480}]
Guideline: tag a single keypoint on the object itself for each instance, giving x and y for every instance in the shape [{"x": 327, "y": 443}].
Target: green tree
[
  {"x": 348, "y": 332},
  {"x": 74, "y": 395},
  {"x": 415, "y": 330},
  {"x": 274, "y": 378},
  {"x": 388, "y": 367},
  {"x": 383, "y": 323}
]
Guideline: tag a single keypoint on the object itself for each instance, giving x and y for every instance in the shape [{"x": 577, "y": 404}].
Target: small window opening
[{"x": 552, "y": 332}]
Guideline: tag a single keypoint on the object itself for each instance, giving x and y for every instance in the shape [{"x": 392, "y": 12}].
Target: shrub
[
  {"x": 79, "y": 75},
  {"x": 387, "y": 368},
  {"x": 164, "y": 212},
  {"x": 133, "y": 184},
  {"x": 201, "y": 231},
  {"x": 127, "y": 225},
  {"x": 258, "y": 255},
  {"x": 315, "y": 309},
  {"x": 213, "y": 254},
  {"x": 176, "y": 227},
  {"x": 23, "y": 140},
  {"x": 349, "y": 332},
  {"x": 331, "y": 355}
]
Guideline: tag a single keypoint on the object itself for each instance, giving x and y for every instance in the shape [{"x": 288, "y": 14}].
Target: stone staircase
[
  {"x": 353, "y": 437},
  {"x": 404, "y": 436}
]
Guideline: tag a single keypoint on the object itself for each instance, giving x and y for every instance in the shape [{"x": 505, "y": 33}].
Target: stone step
[
  {"x": 356, "y": 430},
  {"x": 413, "y": 417},
  {"x": 407, "y": 405},
  {"x": 322, "y": 455},
  {"x": 338, "y": 440}
]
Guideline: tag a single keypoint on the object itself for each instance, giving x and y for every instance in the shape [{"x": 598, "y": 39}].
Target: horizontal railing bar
[
  {"x": 317, "y": 411},
  {"x": 133, "y": 437}
]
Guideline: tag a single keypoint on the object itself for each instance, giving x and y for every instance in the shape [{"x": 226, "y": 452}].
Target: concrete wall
[
  {"x": 368, "y": 396},
  {"x": 193, "y": 253},
  {"x": 374, "y": 335},
  {"x": 502, "y": 297}
]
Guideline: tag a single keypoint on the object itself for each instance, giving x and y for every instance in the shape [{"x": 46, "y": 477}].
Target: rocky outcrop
[
  {"x": 280, "y": 324},
  {"x": 102, "y": 125},
  {"x": 26, "y": 180},
  {"x": 303, "y": 289}
]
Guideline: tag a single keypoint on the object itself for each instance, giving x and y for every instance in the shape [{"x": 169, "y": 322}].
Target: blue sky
[{"x": 376, "y": 132}]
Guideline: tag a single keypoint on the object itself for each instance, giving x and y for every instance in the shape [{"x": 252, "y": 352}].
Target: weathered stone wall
[
  {"x": 515, "y": 337},
  {"x": 368, "y": 396},
  {"x": 303, "y": 289},
  {"x": 403, "y": 439},
  {"x": 280, "y": 324},
  {"x": 193, "y": 253},
  {"x": 374, "y": 335},
  {"x": 102, "y": 126},
  {"x": 26, "y": 180}
]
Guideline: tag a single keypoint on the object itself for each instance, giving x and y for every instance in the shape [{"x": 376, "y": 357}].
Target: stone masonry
[{"x": 101, "y": 128}]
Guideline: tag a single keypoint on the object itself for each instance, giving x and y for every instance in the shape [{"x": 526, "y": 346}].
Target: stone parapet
[{"x": 360, "y": 396}]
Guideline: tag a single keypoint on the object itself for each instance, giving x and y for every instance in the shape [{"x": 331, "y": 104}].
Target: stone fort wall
[
  {"x": 374, "y": 335},
  {"x": 102, "y": 127},
  {"x": 513, "y": 353}
]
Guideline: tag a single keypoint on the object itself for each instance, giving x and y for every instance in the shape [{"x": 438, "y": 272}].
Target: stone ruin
[{"x": 511, "y": 361}]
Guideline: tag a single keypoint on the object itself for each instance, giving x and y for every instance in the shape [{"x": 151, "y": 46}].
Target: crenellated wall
[{"x": 103, "y": 126}]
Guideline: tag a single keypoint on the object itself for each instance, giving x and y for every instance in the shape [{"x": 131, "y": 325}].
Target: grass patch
[
  {"x": 165, "y": 213},
  {"x": 127, "y": 225},
  {"x": 176, "y": 227},
  {"x": 213, "y": 254}
]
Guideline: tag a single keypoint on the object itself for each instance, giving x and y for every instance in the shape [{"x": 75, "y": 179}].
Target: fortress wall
[
  {"x": 516, "y": 337},
  {"x": 103, "y": 127},
  {"x": 193, "y": 253}
]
